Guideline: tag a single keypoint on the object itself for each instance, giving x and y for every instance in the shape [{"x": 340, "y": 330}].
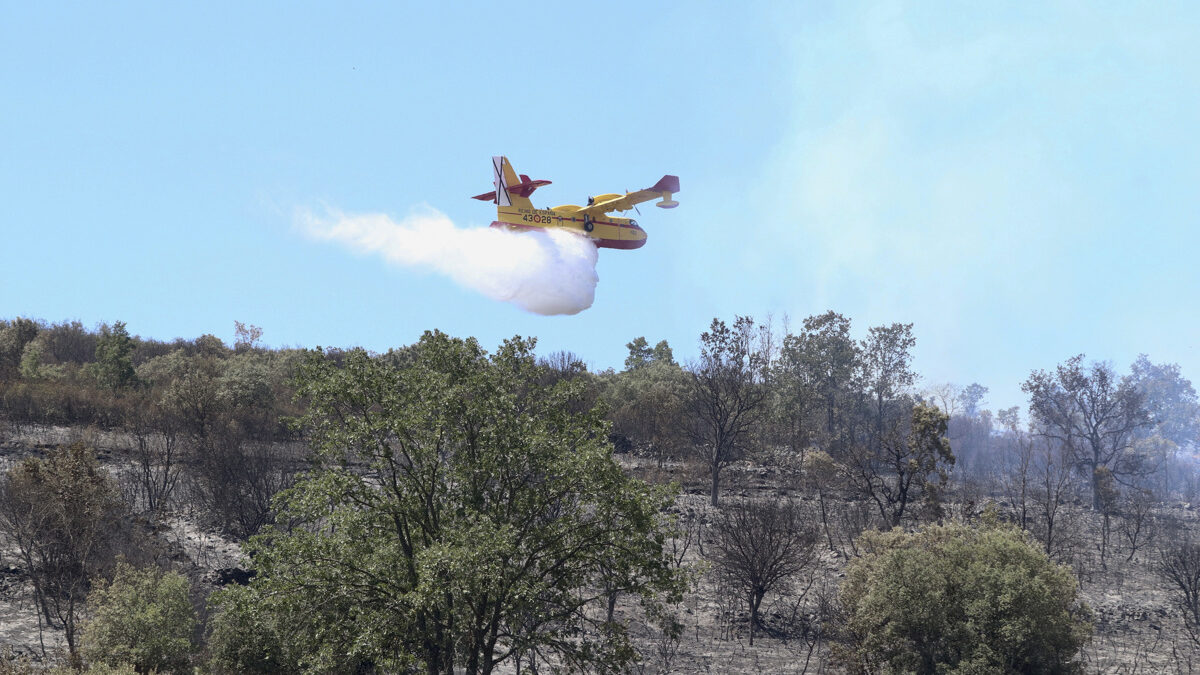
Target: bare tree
[
  {"x": 246, "y": 336},
  {"x": 1138, "y": 525},
  {"x": 563, "y": 365},
  {"x": 1179, "y": 565},
  {"x": 1093, "y": 414},
  {"x": 1052, "y": 488},
  {"x": 726, "y": 398},
  {"x": 912, "y": 460},
  {"x": 759, "y": 546},
  {"x": 156, "y": 454},
  {"x": 234, "y": 480},
  {"x": 227, "y": 413},
  {"x": 946, "y": 396},
  {"x": 63, "y": 516},
  {"x": 1018, "y": 480},
  {"x": 1109, "y": 496}
]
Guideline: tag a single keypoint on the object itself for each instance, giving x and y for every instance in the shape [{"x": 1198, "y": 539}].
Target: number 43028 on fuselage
[{"x": 515, "y": 211}]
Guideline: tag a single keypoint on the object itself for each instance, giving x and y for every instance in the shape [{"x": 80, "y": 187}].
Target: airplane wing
[{"x": 664, "y": 188}]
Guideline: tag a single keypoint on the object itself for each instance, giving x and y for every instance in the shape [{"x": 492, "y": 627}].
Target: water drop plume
[{"x": 542, "y": 271}]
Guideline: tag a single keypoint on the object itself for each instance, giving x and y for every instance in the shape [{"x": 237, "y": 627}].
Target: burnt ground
[
  {"x": 175, "y": 539},
  {"x": 1137, "y": 626}
]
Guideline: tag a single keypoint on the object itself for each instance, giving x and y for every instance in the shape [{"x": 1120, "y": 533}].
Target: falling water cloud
[{"x": 542, "y": 271}]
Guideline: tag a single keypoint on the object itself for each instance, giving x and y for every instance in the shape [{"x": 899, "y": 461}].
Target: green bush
[
  {"x": 958, "y": 599},
  {"x": 244, "y": 635},
  {"x": 144, "y": 617}
]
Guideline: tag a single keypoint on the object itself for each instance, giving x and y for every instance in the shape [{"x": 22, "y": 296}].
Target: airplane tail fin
[
  {"x": 666, "y": 187},
  {"x": 505, "y": 179},
  {"x": 511, "y": 189}
]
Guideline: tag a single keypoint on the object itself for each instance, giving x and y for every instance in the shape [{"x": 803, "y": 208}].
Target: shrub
[
  {"x": 957, "y": 599},
  {"x": 244, "y": 637},
  {"x": 144, "y": 617}
]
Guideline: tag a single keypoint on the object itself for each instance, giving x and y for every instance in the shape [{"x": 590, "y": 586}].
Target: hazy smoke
[{"x": 547, "y": 272}]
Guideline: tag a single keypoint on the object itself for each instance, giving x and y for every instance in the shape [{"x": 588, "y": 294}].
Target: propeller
[{"x": 635, "y": 208}]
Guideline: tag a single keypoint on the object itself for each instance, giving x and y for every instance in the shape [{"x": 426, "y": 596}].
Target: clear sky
[{"x": 1019, "y": 180}]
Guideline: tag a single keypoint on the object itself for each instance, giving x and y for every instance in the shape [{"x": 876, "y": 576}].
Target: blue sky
[{"x": 1018, "y": 180}]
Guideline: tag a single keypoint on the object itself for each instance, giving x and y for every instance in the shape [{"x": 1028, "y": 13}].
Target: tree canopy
[
  {"x": 462, "y": 514},
  {"x": 1094, "y": 414},
  {"x": 961, "y": 599}
]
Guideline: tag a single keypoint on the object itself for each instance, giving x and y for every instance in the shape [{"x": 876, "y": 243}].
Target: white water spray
[{"x": 542, "y": 271}]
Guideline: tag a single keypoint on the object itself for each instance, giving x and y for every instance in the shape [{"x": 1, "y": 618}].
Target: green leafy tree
[
  {"x": 646, "y": 405},
  {"x": 39, "y": 361},
  {"x": 114, "y": 357},
  {"x": 143, "y": 617},
  {"x": 14, "y": 335},
  {"x": 663, "y": 353},
  {"x": 462, "y": 515},
  {"x": 887, "y": 374},
  {"x": 1174, "y": 411},
  {"x": 641, "y": 354},
  {"x": 971, "y": 397},
  {"x": 957, "y": 599},
  {"x": 1170, "y": 399},
  {"x": 32, "y": 364},
  {"x": 816, "y": 377}
]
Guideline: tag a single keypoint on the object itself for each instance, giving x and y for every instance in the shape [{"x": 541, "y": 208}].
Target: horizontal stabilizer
[
  {"x": 524, "y": 189},
  {"x": 508, "y": 186}
]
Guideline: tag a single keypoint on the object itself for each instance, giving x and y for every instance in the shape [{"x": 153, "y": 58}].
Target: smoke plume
[{"x": 542, "y": 271}]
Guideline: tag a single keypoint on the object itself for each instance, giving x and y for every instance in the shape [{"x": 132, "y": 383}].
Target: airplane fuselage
[{"x": 605, "y": 231}]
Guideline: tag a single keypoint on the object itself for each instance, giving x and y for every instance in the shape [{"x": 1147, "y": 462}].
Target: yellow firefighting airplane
[{"x": 515, "y": 211}]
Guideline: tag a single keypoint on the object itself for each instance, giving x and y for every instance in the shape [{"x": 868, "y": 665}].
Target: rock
[{"x": 233, "y": 575}]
